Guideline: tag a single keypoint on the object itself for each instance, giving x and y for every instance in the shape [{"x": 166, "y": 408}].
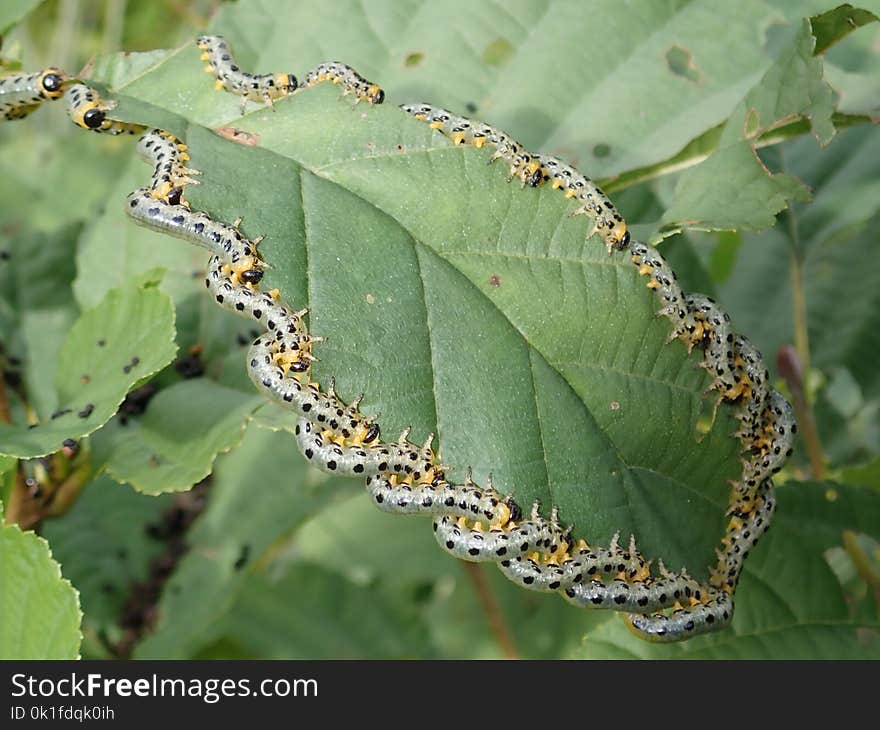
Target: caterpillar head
[
  {"x": 375, "y": 95},
  {"x": 535, "y": 178},
  {"x": 252, "y": 276},
  {"x": 619, "y": 236},
  {"x": 92, "y": 118},
  {"x": 205, "y": 42},
  {"x": 52, "y": 82},
  {"x": 286, "y": 82},
  {"x": 515, "y": 511}
]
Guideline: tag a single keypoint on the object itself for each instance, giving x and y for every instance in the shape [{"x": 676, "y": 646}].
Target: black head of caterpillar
[
  {"x": 52, "y": 82},
  {"x": 94, "y": 118},
  {"x": 252, "y": 276}
]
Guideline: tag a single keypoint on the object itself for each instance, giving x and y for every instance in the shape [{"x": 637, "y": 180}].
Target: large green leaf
[
  {"x": 454, "y": 301},
  {"x": 39, "y": 608},
  {"x": 582, "y": 384},
  {"x": 463, "y": 305},
  {"x": 127, "y": 337}
]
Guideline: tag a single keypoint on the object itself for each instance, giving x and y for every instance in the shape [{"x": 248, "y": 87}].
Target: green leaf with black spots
[
  {"x": 174, "y": 444},
  {"x": 127, "y": 337}
]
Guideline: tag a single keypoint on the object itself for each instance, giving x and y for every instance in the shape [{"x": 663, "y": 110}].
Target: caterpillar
[
  {"x": 349, "y": 79},
  {"x": 531, "y": 169},
  {"x": 88, "y": 110},
  {"x": 267, "y": 88},
  {"x": 22, "y": 94}
]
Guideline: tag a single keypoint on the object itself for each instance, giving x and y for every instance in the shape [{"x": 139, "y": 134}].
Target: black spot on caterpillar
[
  {"x": 22, "y": 94},
  {"x": 267, "y": 88},
  {"x": 531, "y": 169}
]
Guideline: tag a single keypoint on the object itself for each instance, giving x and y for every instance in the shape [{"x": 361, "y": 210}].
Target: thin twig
[
  {"x": 5, "y": 414},
  {"x": 861, "y": 562},
  {"x": 492, "y": 610},
  {"x": 799, "y": 304},
  {"x": 789, "y": 365},
  {"x": 114, "y": 17}
]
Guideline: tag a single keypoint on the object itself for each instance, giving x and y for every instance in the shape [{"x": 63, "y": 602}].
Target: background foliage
[{"x": 702, "y": 144}]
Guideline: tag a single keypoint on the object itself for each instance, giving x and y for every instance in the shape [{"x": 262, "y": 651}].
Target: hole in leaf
[
  {"x": 601, "y": 150},
  {"x": 681, "y": 63}
]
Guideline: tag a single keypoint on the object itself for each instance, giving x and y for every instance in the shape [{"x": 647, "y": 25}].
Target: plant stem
[
  {"x": 492, "y": 610},
  {"x": 861, "y": 562},
  {"x": 5, "y": 415},
  {"x": 798, "y": 292},
  {"x": 66, "y": 26},
  {"x": 789, "y": 365},
  {"x": 114, "y": 16}
]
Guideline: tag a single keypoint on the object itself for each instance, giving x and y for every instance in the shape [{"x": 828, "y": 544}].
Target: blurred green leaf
[
  {"x": 310, "y": 613},
  {"x": 261, "y": 493},
  {"x": 103, "y": 544},
  {"x": 174, "y": 444},
  {"x": 39, "y": 608},
  {"x": 834, "y": 231},
  {"x": 605, "y": 108},
  {"x": 867, "y": 474},
  {"x": 127, "y": 337},
  {"x": 14, "y": 11},
  {"x": 733, "y": 189}
]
